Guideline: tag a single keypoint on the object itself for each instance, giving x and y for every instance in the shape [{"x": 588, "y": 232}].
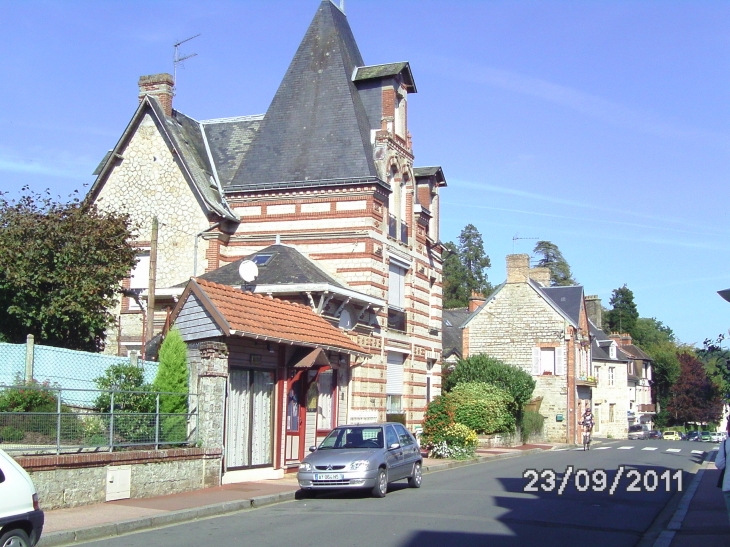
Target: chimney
[
  {"x": 160, "y": 87},
  {"x": 476, "y": 300},
  {"x": 593, "y": 307},
  {"x": 623, "y": 339},
  {"x": 518, "y": 268},
  {"x": 540, "y": 275}
]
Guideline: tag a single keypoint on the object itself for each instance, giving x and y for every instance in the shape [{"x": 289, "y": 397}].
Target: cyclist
[{"x": 587, "y": 423}]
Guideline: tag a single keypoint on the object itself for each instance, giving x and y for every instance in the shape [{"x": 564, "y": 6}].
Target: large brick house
[
  {"x": 545, "y": 331},
  {"x": 324, "y": 180}
]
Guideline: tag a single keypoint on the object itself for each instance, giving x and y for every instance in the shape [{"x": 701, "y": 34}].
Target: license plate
[{"x": 328, "y": 477}]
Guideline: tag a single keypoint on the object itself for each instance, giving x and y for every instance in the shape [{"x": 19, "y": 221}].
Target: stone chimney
[
  {"x": 160, "y": 87},
  {"x": 540, "y": 275},
  {"x": 476, "y": 300},
  {"x": 518, "y": 268},
  {"x": 593, "y": 307}
]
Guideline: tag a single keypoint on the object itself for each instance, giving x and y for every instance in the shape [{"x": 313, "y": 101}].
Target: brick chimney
[
  {"x": 159, "y": 87},
  {"x": 593, "y": 307},
  {"x": 541, "y": 275},
  {"x": 518, "y": 268},
  {"x": 476, "y": 300},
  {"x": 622, "y": 339}
]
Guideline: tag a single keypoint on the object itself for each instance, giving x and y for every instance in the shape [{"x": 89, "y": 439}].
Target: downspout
[{"x": 195, "y": 247}]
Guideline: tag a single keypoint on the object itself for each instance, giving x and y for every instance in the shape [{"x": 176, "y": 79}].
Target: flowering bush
[{"x": 458, "y": 442}]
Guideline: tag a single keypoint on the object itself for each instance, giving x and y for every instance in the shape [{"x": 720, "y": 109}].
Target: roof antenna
[
  {"x": 176, "y": 59},
  {"x": 517, "y": 238}
]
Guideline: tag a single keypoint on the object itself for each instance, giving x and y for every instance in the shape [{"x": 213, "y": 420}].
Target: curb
[{"x": 103, "y": 531}]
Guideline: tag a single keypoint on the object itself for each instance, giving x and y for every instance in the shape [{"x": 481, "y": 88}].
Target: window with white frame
[
  {"x": 394, "y": 383},
  {"x": 547, "y": 361},
  {"x": 140, "y": 277},
  {"x": 611, "y": 376}
]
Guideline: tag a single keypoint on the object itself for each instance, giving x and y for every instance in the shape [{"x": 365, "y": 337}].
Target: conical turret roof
[{"x": 316, "y": 128}]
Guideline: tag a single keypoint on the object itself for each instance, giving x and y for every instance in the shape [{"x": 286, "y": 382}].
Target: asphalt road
[{"x": 481, "y": 504}]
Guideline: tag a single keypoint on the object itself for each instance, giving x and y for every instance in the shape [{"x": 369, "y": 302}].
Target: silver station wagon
[{"x": 362, "y": 456}]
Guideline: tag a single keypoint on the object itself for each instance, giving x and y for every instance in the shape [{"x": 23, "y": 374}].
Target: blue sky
[{"x": 603, "y": 127}]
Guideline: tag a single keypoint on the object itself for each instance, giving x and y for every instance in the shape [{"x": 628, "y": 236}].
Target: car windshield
[{"x": 344, "y": 438}]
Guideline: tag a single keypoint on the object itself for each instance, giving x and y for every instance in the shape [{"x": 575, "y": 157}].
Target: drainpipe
[{"x": 195, "y": 247}]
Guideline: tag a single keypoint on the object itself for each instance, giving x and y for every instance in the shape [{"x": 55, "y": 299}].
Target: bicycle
[{"x": 586, "y": 435}]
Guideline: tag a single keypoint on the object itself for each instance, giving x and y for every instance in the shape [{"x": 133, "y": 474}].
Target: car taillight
[{"x": 36, "y": 505}]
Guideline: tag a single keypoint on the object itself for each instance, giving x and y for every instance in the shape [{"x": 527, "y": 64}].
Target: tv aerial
[
  {"x": 249, "y": 271},
  {"x": 177, "y": 59}
]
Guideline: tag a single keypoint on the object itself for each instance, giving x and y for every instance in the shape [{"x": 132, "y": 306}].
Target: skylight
[{"x": 261, "y": 260}]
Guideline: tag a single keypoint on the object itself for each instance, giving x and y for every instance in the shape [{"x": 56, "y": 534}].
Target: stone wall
[{"x": 81, "y": 479}]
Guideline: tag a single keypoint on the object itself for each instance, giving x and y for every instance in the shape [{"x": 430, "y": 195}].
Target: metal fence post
[
  {"x": 157, "y": 424},
  {"x": 111, "y": 423},
  {"x": 58, "y": 421}
]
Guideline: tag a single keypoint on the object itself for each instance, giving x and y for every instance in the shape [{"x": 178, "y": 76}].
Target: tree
[
  {"x": 650, "y": 332},
  {"x": 622, "y": 317},
  {"x": 456, "y": 294},
  {"x": 464, "y": 268},
  {"x": 172, "y": 374},
  {"x": 716, "y": 359},
  {"x": 695, "y": 397},
  {"x": 61, "y": 267},
  {"x": 552, "y": 259}
]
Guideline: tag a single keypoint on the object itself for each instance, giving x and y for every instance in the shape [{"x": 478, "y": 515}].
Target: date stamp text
[{"x": 598, "y": 480}]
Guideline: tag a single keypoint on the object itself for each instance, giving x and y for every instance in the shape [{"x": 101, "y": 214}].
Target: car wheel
[
  {"x": 15, "y": 538},
  {"x": 414, "y": 481},
  {"x": 381, "y": 484}
]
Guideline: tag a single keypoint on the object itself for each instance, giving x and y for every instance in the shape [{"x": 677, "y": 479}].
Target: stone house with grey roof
[
  {"x": 328, "y": 170},
  {"x": 545, "y": 331}
]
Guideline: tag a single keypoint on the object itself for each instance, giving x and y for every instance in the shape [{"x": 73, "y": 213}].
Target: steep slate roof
[
  {"x": 229, "y": 139},
  {"x": 568, "y": 299},
  {"x": 316, "y": 129},
  {"x": 635, "y": 352},
  {"x": 240, "y": 313},
  {"x": 451, "y": 332},
  {"x": 286, "y": 267}
]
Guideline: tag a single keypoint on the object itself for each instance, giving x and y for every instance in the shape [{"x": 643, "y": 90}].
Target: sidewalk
[
  {"x": 66, "y": 526},
  {"x": 701, "y": 517}
]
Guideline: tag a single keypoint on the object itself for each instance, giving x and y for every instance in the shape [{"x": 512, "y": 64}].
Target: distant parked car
[
  {"x": 637, "y": 432},
  {"x": 716, "y": 437},
  {"x": 705, "y": 436},
  {"x": 655, "y": 434},
  {"x": 693, "y": 436},
  {"x": 671, "y": 436}
]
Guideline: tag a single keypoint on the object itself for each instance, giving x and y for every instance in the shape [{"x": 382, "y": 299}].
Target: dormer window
[
  {"x": 400, "y": 115},
  {"x": 612, "y": 351}
]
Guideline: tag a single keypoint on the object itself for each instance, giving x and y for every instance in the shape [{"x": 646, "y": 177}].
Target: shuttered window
[
  {"x": 548, "y": 360},
  {"x": 394, "y": 380},
  {"x": 396, "y": 286}
]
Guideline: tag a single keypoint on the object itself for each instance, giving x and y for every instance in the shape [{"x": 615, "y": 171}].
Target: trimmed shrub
[
  {"x": 483, "y": 407},
  {"x": 482, "y": 368},
  {"x": 531, "y": 424}
]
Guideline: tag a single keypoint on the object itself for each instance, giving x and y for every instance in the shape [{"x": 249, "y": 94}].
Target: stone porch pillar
[{"x": 212, "y": 379}]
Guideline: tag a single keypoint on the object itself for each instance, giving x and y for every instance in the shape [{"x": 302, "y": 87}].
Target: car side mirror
[
  {"x": 312, "y": 448},
  {"x": 394, "y": 446}
]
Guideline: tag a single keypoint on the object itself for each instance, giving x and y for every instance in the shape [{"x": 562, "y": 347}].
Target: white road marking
[
  {"x": 624, "y": 448},
  {"x": 698, "y": 452},
  {"x": 674, "y": 449},
  {"x": 716, "y": 448},
  {"x": 602, "y": 448},
  {"x": 649, "y": 448}
]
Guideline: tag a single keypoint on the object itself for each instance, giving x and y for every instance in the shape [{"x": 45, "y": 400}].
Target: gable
[{"x": 194, "y": 322}]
